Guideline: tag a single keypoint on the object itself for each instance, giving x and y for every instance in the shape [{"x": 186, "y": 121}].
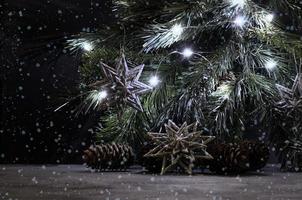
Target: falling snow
[{"x": 38, "y": 75}]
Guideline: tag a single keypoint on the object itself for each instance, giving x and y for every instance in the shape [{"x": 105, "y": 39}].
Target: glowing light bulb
[
  {"x": 240, "y": 21},
  {"x": 177, "y": 30},
  {"x": 154, "y": 81},
  {"x": 269, "y": 18},
  {"x": 102, "y": 95},
  {"x": 271, "y": 64},
  {"x": 238, "y": 3},
  {"x": 87, "y": 46},
  {"x": 96, "y": 98},
  {"x": 187, "y": 53}
]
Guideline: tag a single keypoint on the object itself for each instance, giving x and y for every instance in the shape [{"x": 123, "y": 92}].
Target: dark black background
[{"x": 35, "y": 72}]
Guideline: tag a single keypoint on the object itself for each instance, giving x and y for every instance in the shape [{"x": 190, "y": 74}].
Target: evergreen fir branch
[
  {"x": 289, "y": 42},
  {"x": 248, "y": 91},
  {"x": 186, "y": 107},
  {"x": 292, "y": 7},
  {"x": 129, "y": 128},
  {"x": 188, "y": 104},
  {"x": 141, "y": 11},
  {"x": 90, "y": 69},
  {"x": 193, "y": 22},
  {"x": 220, "y": 86}
]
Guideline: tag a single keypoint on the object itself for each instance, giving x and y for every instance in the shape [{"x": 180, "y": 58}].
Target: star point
[{"x": 179, "y": 146}]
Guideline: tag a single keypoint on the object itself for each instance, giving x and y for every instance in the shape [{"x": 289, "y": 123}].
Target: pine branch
[
  {"x": 291, "y": 43},
  {"x": 232, "y": 72},
  {"x": 234, "y": 97}
]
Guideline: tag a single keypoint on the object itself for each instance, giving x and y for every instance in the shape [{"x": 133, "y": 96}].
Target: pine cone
[
  {"x": 228, "y": 158},
  {"x": 291, "y": 156},
  {"x": 238, "y": 158},
  {"x": 258, "y": 154},
  {"x": 109, "y": 157},
  {"x": 292, "y": 163}
]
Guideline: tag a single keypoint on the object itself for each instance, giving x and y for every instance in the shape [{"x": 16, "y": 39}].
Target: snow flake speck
[{"x": 34, "y": 180}]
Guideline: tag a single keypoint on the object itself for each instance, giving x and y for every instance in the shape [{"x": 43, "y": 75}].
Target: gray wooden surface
[{"x": 77, "y": 182}]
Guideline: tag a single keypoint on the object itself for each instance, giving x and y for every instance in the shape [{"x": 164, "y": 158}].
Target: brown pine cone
[
  {"x": 109, "y": 157},
  {"x": 238, "y": 158},
  {"x": 228, "y": 158},
  {"x": 258, "y": 154}
]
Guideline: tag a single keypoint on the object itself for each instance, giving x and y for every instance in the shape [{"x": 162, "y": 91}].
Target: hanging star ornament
[
  {"x": 121, "y": 84},
  {"x": 291, "y": 98},
  {"x": 179, "y": 147},
  {"x": 289, "y": 110}
]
